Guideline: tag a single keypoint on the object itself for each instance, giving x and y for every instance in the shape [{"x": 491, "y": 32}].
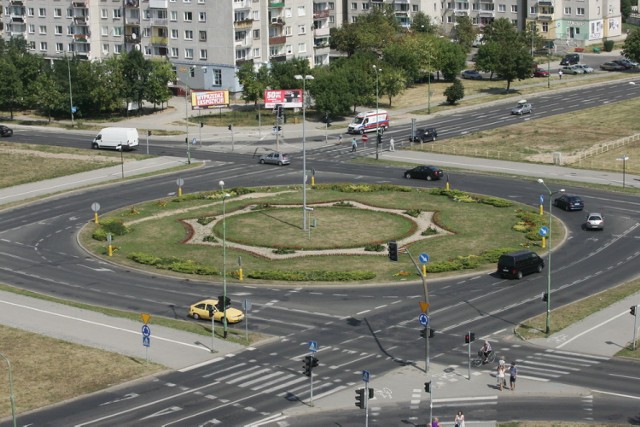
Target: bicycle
[{"x": 480, "y": 359}]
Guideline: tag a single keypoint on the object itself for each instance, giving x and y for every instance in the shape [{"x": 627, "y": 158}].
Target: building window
[
  {"x": 105, "y": 48},
  {"x": 174, "y": 15},
  {"x": 256, "y": 52},
  {"x": 42, "y": 29},
  {"x": 287, "y": 31},
  {"x": 117, "y": 49},
  {"x": 174, "y": 52},
  {"x": 288, "y": 49},
  {"x": 69, "y": 13},
  {"x": 567, "y": 11},
  {"x": 301, "y": 29},
  {"x": 202, "y": 16},
  {"x": 117, "y": 31},
  {"x": 415, "y": 8},
  {"x": 58, "y": 30},
  {"x": 188, "y": 53},
  {"x": 545, "y": 27},
  {"x": 104, "y": 31},
  {"x": 188, "y": 34},
  {"x": 200, "y": 1},
  {"x": 117, "y": 13},
  {"x": 203, "y": 53},
  {"x": 31, "y": 45},
  {"x": 30, "y": 13},
  {"x": 104, "y": 13},
  {"x": 217, "y": 77},
  {"x": 57, "y": 12},
  {"x": 532, "y": 10},
  {"x": 354, "y": 6},
  {"x": 302, "y": 47},
  {"x": 32, "y": 29},
  {"x": 147, "y": 50},
  {"x": 255, "y": 15},
  {"x": 332, "y": 19},
  {"x": 146, "y": 32},
  {"x": 202, "y": 36},
  {"x": 580, "y": 11},
  {"x": 365, "y": 6},
  {"x": 514, "y": 8},
  {"x": 59, "y": 47},
  {"x": 42, "y": 12},
  {"x": 256, "y": 34},
  {"x": 43, "y": 45},
  {"x": 449, "y": 19},
  {"x": 174, "y": 34},
  {"x": 502, "y": 8},
  {"x": 301, "y": 11},
  {"x": 188, "y": 16},
  {"x": 241, "y": 36}
]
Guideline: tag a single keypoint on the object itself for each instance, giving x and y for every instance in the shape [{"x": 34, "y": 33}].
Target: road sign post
[
  {"x": 146, "y": 339},
  {"x": 365, "y": 378}
]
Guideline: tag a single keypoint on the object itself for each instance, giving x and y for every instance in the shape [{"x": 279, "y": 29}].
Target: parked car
[
  {"x": 626, "y": 63},
  {"x": 517, "y": 264},
  {"x": 5, "y": 131},
  {"x": 585, "y": 68},
  {"x": 275, "y": 158},
  {"x": 424, "y": 172},
  {"x": 471, "y": 75},
  {"x": 211, "y": 307},
  {"x": 611, "y": 66},
  {"x": 523, "y": 107},
  {"x": 540, "y": 72},
  {"x": 569, "y": 202},
  {"x": 594, "y": 221},
  {"x": 572, "y": 69},
  {"x": 425, "y": 135},
  {"x": 570, "y": 59}
]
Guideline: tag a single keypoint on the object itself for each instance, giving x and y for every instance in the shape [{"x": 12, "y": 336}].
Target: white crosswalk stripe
[{"x": 554, "y": 364}]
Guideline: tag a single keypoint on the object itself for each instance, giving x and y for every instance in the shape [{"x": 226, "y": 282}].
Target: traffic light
[
  {"x": 423, "y": 333},
  {"x": 393, "y": 250},
  {"x": 370, "y": 393},
  {"x": 632, "y": 310},
  {"x": 360, "y": 398},
  {"x": 230, "y": 127},
  {"x": 201, "y": 124},
  {"x": 470, "y": 337},
  {"x": 545, "y": 297},
  {"x": 314, "y": 362},
  {"x": 427, "y": 386},
  {"x": 307, "y": 366},
  {"x": 279, "y": 110},
  {"x": 432, "y": 333},
  {"x": 379, "y": 138},
  {"x": 148, "y": 133}
]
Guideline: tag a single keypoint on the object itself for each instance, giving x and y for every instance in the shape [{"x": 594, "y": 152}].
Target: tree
[
  {"x": 156, "y": 90},
  {"x": 283, "y": 73},
  {"x": 392, "y": 82},
  {"x": 253, "y": 83},
  {"x": 455, "y": 92},
  {"x": 451, "y": 59},
  {"x": 421, "y": 23},
  {"x": 46, "y": 94},
  {"x": 406, "y": 55},
  {"x": 488, "y": 57},
  {"x": 135, "y": 73},
  {"x": 331, "y": 90},
  {"x": 625, "y": 9},
  {"x": 370, "y": 33},
  {"x": 631, "y": 46},
  {"x": 465, "y": 32},
  {"x": 10, "y": 85}
]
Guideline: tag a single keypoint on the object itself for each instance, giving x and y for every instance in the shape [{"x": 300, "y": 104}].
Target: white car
[
  {"x": 594, "y": 221},
  {"x": 572, "y": 69},
  {"x": 585, "y": 68}
]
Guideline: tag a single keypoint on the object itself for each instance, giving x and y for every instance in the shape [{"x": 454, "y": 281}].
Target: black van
[
  {"x": 570, "y": 59},
  {"x": 517, "y": 264}
]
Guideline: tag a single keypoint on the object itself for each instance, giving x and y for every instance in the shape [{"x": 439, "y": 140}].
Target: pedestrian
[
  {"x": 435, "y": 422},
  {"x": 354, "y": 144},
  {"x": 392, "y": 145},
  {"x": 560, "y": 74},
  {"x": 513, "y": 373},
  {"x": 500, "y": 376},
  {"x": 459, "y": 420},
  {"x": 339, "y": 139}
]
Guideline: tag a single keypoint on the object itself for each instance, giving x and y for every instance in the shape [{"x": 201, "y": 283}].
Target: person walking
[
  {"x": 459, "y": 419},
  {"x": 513, "y": 374},
  {"x": 435, "y": 422},
  {"x": 560, "y": 74},
  {"x": 392, "y": 145},
  {"x": 339, "y": 139},
  {"x": 354, "y": 144},
  {"x": 500, "y": 376}
]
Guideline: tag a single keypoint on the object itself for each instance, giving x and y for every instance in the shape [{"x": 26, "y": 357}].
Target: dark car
[
  {"x": 517, "y": 264},
  {"x": 569, "y": 202},
  {"x": 425, "y": 135},
  {"x": 424, "y": 172},
  {"x": 625, "y": 63},
  {"x": 611, "y": 66},
  {"x": 570, "y": 59},
  {"x": 471, "y": 75},
  {"x": 5, "y": 131},
  {"x": 275, "y": 158}
]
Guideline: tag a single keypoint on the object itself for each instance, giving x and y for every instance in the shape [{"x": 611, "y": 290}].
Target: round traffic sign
[
  {"x": 544, "y": 231},
  {"x": 180, "y": 182},
  {"x": 423, "y": 319},
  {"x": 364, "y": 138},
  {"x": 146, "y": 330},
  {"x": 95, "y": 206},
  {"x": 423, "y": 258}
]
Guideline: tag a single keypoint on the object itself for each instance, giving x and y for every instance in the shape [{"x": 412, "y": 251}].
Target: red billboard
[
  {"x": 209, "y": 99},
  {"x": 289, "y": 98}
]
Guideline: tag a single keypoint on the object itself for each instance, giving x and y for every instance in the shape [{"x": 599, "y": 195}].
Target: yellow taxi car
[{"x": 204, "y": 308}]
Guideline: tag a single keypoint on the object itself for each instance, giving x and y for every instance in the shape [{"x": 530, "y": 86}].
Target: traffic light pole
[
  {"x": 426, "y": 299},
  {"x": 634, "y": 311},
  {"x": 469, "y": 357},
  {"x": 311, "y": 379}
]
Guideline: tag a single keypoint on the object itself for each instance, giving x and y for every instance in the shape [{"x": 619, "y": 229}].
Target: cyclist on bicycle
[{"x": 485, "y": 351}]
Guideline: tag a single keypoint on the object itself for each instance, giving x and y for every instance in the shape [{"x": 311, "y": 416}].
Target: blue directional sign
[
  {"x": 423, "y": 319},
  {"x": 74, "y": 109},
  {"x": 313, "y": 346},
  {"x": 423, "y": 258},
  {"x": 365, "y": 376},
  {"x": 544, "y": 231},
  {"x": 541, "y": 198},
  {"x": 146, "y": 330},
  {"x": 146, "y": 341}
]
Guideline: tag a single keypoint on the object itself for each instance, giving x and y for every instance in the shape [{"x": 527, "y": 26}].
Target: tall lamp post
[
  {"x": 186, "y": 119},
  {"x": 378, "y": 138},
  {"x": 224, "y": 259},
  {"x": 551, "y": 193},
  {"x": 624, "y": 160},
  {"x": 304, "y": 149},
  {"x": 70, "y": 92},
  {"x": 11, "y": 398}
]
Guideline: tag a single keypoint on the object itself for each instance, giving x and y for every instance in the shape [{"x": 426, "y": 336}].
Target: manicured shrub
[
  {"x": 374, "y": 248},
  {"x": 312, "y": 276}
]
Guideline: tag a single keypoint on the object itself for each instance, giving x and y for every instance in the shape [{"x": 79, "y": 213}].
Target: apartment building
[
  {"x": 403, "y": 10},
  {"x": 205, "y": 40}
]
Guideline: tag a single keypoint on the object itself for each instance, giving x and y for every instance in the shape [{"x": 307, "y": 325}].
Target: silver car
[
  {"x": 595, "y": 221},
  {"x": 572, "y": 69},
  {"x": 275, "y": 158},
  {"x": 585, "y": 68},
  {"x": 523, "y": 107}
]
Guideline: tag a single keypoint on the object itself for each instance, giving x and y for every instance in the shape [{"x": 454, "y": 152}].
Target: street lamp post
[
  {"x": 377, "y": 70},
  {"x": 224, "y": 259},
  {"x": 304, "y": 149},
  {"x": 624, "y": 160},
  {"x": 186, "y": 119},
  {"x": 11, "y": 397},
  {"x": 551, "y": 193},
  {"x": 429, "y": 85},
  {"x": 70, "y": 92}
]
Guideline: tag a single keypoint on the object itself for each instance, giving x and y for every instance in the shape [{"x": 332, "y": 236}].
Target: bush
[
  {"x": 429, "y": 231},
  {"x": 498, "y": 203},
  {"x": 413, "y": 212},
  {"x": 608, "y": 45},
  {"x": 115, "y": 226},
  {"x": 343, "y": 204},
  {"x": 99, "y": 234},
  {"x": 210, "y": 238},
  {"x": 492, "y": 255},
  {"x": 362, "y": 188},
  {"x": 312, "y": 276},
  {"x": 204, "y": 220},
  {"x": 455, "y": 92},
  {"x": 284, "y": 251},
  {"x": 173, "y": 264},
  {"x": 374, "y": 248}
]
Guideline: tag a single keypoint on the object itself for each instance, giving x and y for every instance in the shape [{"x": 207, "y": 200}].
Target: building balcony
[
  {"x": 159, "y": 41},
  {"x": 243, "y": 25},
  {"x": 276, "y": 4},
  {"x": 244, "y": 4},
  {"x": 322, "y": 45},
  {"x": 131, "y": 3},
  {"x": 321, "y": 32},
  {"x": 16, "y": 18},
  {"x": 132, "y": 38},
  {"x": 81, "y": 38},
  {"x": 158, "y": 4},
  {"x": 547, "y": 3},
  {"x": 319, "y": 14},
  {"x": 277, "y": 21},
  {"x": 278, "y": 57},
  {"x": 128, "y": 20},
  {"x": 461, "y": 12},
  {"x": 487, "y": 13},
  {"x": 80, "y": 4},
  {"x": 159, "y": 22},
  {"x": 16, "y": 3},
  {"x": 277, "y": 40},
  {"x": 241, "y": 43},
  {"x": 80, "y": 20},
  {"x": 546, "y": 17},
  {"x": 17, "y": 32}
]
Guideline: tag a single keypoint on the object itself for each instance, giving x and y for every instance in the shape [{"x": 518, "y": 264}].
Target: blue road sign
[
  {"x": 365, "y": 376},
  {"x": 313, "y": 346},
  {"x": 146, "y": 330},
  {"x": 541, "y": 198},
  {"x": 423, "y": 319},
  {"x": 544, "y": 231},
  {"x": 146, "y": 341},
  {"x": 423, "y": 258}
]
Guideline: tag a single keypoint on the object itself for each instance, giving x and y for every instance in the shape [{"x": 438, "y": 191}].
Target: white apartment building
[{"x": 205, "y": 40}]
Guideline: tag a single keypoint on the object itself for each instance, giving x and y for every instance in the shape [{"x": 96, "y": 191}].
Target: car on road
[
  {"x": 540, "y": 72},
  {"x": 206, "y": 308},
  {"x": 569, "y": 202},
  {"x": 275, "y": 158},
  {"x": 572, "y": 69},
  {"x": 611, "y": 66},
  {"x": 585, "y": 68},
  {"x": 425, "y": 135},
  {"x": 517, "y": 264},
  {"x": 626, "y": 63},
  {"x": 5, "y": 131},
  {"x": 595, "y": 221},
  {"x": 471, "y": 75},
  {"x": 523, "y": 107},
  {"x": 430, "y": 173},
  {"x": 570, "y": 59}
]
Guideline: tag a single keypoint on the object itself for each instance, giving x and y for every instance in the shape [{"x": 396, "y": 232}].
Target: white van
[
  {"x": 116, "y": 138},
  {"x": 369, "y": 121}
]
